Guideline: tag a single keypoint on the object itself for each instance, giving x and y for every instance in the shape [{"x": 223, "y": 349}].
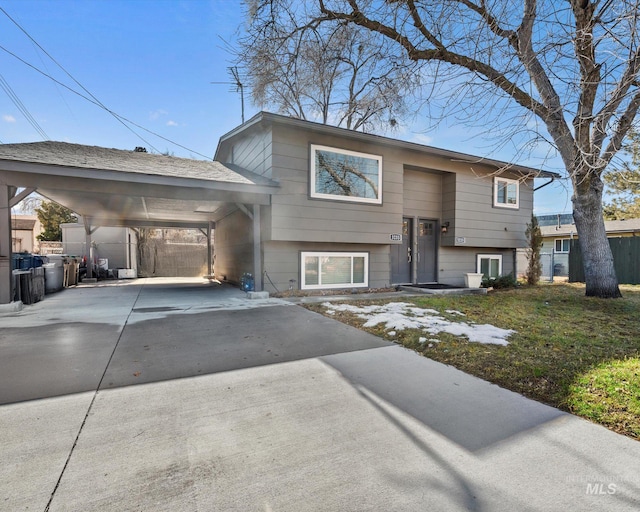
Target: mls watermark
[
  {"x": 599, "y": 485},
  {"x": 601, "y": 489}
]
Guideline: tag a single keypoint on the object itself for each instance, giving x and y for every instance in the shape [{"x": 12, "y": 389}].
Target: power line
[
  {"x": 102, "y": 106},
  {"x": 21, "y": 107},
  {"x": 97, "y": 101},
  {"x": 123, "y": 120}
]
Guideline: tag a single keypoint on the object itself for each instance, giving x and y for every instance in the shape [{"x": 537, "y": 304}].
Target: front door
[
  {"x": 401, "y": 255},
  {"x": 426, "y": 257}
]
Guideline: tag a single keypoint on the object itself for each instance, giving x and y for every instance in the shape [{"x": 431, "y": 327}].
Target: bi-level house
[{"x": 358, "y": 210}]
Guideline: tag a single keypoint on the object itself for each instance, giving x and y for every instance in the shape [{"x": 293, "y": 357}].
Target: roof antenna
[{"x": 235, "y": 76}]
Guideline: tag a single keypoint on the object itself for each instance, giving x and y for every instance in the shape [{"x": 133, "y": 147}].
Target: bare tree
[
  {"x": 332, "y": 72},
  {"x": 534, "y": 238},
  {"x": 570, "y": 69}
]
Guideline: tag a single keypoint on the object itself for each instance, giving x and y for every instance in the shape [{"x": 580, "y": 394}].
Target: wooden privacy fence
[{"x": 626, "y": 259}]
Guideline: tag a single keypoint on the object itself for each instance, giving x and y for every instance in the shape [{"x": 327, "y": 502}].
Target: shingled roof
[
  {"x": 611, "y": 226},
  {"x": 65, "y": 154},
  {"x": 22, "y": 224}
]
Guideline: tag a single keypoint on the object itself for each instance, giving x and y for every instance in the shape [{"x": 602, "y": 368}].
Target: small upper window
[
  {"x": 345, "y": 175},
  {"x": 562, "y": 244},
  {"x": 506, "y": 193}
]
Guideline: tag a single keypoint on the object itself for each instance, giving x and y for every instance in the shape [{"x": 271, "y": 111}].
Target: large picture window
[
  {"x": 506, "y": 193},
  {"x": 490, "y": 265},
  {"x": 334, "y": 270},
  {"x": 344, "y": 175}
]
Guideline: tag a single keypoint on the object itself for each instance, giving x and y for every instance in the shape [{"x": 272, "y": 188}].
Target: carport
[{"x": 112, "y": 187}]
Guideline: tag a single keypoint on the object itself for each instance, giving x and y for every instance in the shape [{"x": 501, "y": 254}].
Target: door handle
[{"x": 409, "y": 255}]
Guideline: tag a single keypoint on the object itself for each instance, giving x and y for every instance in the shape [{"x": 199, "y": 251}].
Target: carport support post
[
  {"x": 6, "y": 284},
  {"x": 257, "y": 252},
  {"x": 88, "y": 247},
  {"x": 209, "y": 255}
]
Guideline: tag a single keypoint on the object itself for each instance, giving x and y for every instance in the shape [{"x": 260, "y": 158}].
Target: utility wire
[
  {"x": 123, "y": 120},
  {"x": 96, "y": 100},
  {"x": 102, "y": 106},
  {"x": 4, "y": 85}
]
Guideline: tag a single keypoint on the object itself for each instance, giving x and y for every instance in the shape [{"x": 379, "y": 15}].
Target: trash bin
[{"x": 53, "y": 277}]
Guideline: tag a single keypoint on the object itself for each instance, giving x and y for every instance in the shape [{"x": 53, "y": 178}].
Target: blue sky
[{"x": 152, "y": 62}]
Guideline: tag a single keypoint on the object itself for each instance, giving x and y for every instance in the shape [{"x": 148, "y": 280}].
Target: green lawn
[{"x": 573, "y": 352}]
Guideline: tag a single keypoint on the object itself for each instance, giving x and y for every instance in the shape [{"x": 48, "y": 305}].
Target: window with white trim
[
  {"x": 562, "y": 244},
  {"x": 506, "y": 193},
  {"x": 334, "y": 270},
  {"x": 490, "y": 265},
  {"x": 343, "y": 175}
]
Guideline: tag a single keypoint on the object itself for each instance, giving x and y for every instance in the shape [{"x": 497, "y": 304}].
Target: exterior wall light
[{"x": 445, "y": 227}]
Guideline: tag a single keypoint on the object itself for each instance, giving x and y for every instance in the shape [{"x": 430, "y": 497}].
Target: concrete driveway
[{"x": 155, "y": 395}]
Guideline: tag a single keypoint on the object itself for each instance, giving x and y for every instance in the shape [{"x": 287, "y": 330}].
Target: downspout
[{"x": 545, "y": 184}]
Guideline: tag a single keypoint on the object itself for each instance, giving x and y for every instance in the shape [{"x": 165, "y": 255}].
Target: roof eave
[
  {"x": 125, "y": 176},
  {"x": 387, "y": 141}
]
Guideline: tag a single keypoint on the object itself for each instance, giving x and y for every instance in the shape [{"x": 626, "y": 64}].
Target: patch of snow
[
  {"x": 454, "y": 312},
  {"x": 421, "y": 339},
  {"x": 397, "y": 316}
]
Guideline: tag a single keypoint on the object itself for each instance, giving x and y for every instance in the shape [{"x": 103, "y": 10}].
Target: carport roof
[
  {"x": 114, "y": 187},
  {"x": 94, "y": 157}
]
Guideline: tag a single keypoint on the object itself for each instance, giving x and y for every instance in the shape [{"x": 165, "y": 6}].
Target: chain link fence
[{"x": 547, "y": 262}]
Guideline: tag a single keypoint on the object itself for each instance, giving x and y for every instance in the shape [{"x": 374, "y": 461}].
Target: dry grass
[{"x": 573, "y": 352}]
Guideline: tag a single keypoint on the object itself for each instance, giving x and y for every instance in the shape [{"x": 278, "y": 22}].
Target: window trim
[
  {"x": 321, "y": 254},
  {"x": 480, "y": 257},
  {"x": 555, "y": 242},
  {"x": 312, "y": 175},
  {"x": 508, "y": 181}
]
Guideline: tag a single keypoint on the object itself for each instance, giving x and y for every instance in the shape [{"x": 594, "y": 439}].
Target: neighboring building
[
  {"x": 359, "y": 210},
  {"x": 557, "y": 239},
  {"x": 24, "y": 232},
  {"x": 115, "y": 246},
  {"x": 555, "y": 219}
]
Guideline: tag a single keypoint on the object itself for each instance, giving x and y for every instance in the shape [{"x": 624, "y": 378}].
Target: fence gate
[{"x": 546, "y": 261}]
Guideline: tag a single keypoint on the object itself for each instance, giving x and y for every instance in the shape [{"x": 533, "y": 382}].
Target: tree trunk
[{"x": 599, "y": 272}]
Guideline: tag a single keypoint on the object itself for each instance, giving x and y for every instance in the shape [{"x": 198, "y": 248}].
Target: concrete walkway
[{"x": 158, "y": 395}]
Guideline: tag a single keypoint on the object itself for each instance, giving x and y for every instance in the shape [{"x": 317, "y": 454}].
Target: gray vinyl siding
[
  {"x": 233, "y": 247},
  {"x": 466, "y": 199},
  {"x": 455, "y": 262},
  {"x": 297, "y": 217},
  {"x": 476, "y": 222},
  {"x": 252, "y": 152},
  {"x": 281, "y": 263},
  {"x": 415, "y": 183},
  {"x": 422, "y": 194}
]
